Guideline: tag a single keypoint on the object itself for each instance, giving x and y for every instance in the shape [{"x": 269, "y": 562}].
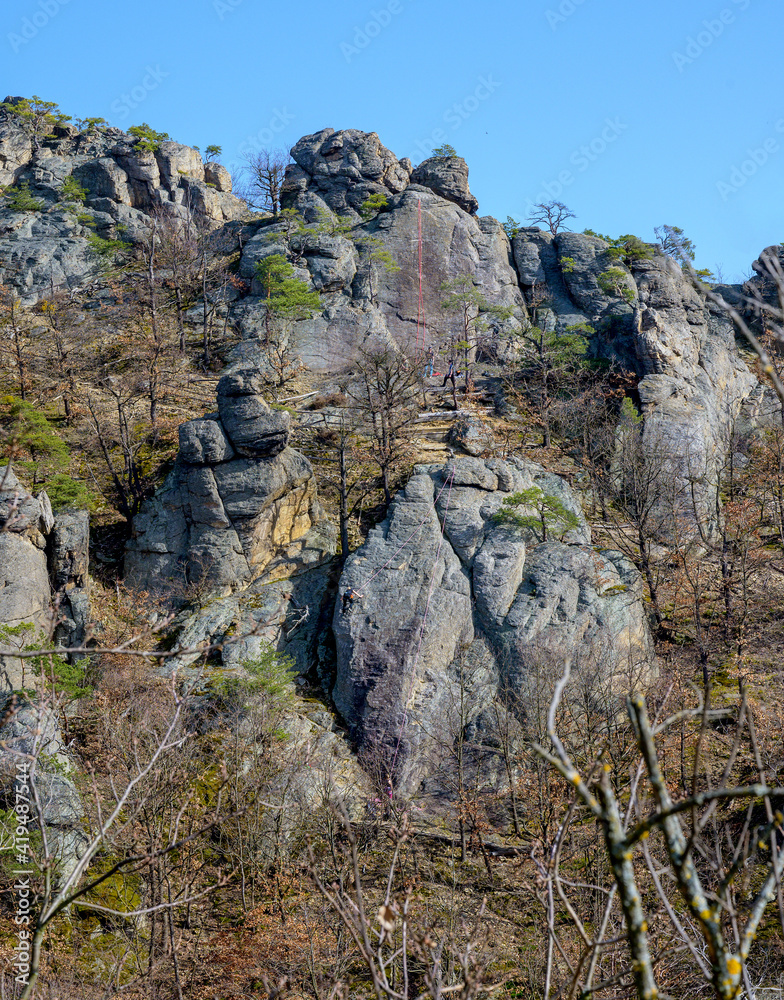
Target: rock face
[
  {"x": 693, "y": 384},
  {"x": 336, "y": 172},
  {"x": 124, "y": 184},
  {"x": 340, "y": 170},
  {"x": 448, "y": 177},
  {"x": 44, "y": 583},
  {"x": 474, "y": 609},
  {"x": 238, "y": 500},
  {"x": 25, "y": 521},
  {"x": 28, "y": 731},
  {"x": 69, "y": 562}
]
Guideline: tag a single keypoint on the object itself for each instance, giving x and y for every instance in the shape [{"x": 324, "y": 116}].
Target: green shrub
[
  {"x": 28, "y": 432},
  {"x": 612, "y": 282},
  {"x": 373, "y": 205},
  {"x": 63, "y": 491},
  {"x": 110, "y": 251},
  {"x": 511, "y": 227},
  {"x": 19, "y": 199},
  {"x": 270, "y": 675},
  {"x": 66, "y": 678},
  {"x": 72, "y": 190},
  {"x": 445, "y": 151},
  {"x": 147, "y": 138}
]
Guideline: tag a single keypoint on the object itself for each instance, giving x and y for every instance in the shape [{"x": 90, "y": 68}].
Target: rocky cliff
[
  {"x": 124, "y": 185},
  {"x": 467, "y": 604},
  {"x": 475, "y": 609}
]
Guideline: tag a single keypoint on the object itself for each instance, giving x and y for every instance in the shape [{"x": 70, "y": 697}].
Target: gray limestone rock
[
  {"x": 69, "y": 560},
  {"x": 485, "y": 591},
  {"x": 536, "y": 260},
  {"x": 124, "y": 184},
  {"x": 448, "y": 177},
  {"x": 255, "y": 430},
  {"x": 24, "y": 581},
  {"x": 331, "y": 261},
  {"x": 344, "y": 168},
  {"x": 70, "y": 549},
  {"x": 457, "y": 244},
  {"x": 590, "y": 257},
  {"x": 473, "y": 435},
  {"x": 238, "y": 503},
  {"x": 217, "y": 176},
  {"x": 40, "y": 553},
  {"x": 204, "y": 442},
  {"x": 31, "y": 731},
  {"x": 16, "y": 150}
]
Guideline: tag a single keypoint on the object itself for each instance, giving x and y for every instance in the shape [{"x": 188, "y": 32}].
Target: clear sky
[{"x": 632, "y": 113}]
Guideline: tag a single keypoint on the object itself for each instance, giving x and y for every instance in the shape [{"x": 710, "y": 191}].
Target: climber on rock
[{"x": 350, "y": 598}]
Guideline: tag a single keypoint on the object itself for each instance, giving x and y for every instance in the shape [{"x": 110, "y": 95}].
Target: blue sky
[{"x": 634, "y": 114}]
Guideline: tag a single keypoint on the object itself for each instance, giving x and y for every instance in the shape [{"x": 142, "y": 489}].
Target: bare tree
[
  {"x": 265, "y": 170},
  {"x": 712, "y": 881},
  {"x": 552, "y": 214},
  {"x": 386, "y": 396},
  {"x": 406, "y": 955}
]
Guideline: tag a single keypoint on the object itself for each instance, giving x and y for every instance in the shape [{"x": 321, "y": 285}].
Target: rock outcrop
[
  {"x": 25, "y": 522},
  {"x": 478, "y": 607},
  {"x": 31, "y": 732},
  {"x": 340, "y": 171},
  {"x": 124, "y": 183},
  {"x": 692, "y": 382},
  {"x": 69, "y": 564},
  {"x": 44, "y": 583},
  {"x": 364, "y": 303},
  {"x": 448, "y": 177},
  {"x": 238, "y": 502}
]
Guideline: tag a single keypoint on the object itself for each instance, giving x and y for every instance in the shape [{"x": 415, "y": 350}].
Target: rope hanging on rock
[{"x": 421, "y": 301}]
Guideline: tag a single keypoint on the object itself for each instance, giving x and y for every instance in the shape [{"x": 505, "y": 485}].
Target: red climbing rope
[
  {"x": 404, "y": 720},
  {"x": 421, "y": 300}
]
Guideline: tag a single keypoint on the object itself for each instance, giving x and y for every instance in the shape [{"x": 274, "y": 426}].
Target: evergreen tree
[{"x": 548, "y": 515}]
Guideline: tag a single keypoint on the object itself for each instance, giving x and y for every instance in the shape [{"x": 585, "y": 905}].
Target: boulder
[
  {"x": 473, "y": 435},
  {"x": 204, "y": 442},
  {"x": 255, "y": 430},
  {"x": 217, "y": 176},
  {"x": 239, "y": 503},
  {"x": 448, "y": 177}
]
